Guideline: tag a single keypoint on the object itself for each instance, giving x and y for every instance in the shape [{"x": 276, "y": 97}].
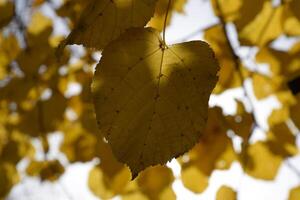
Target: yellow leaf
[
  {"x": 282, "y": 114},
  {"x": 241, "y": 123},
  {"x": 264, "y": 86},
  {"x": 8, "y": 178},
  {"x": 103, "y": 21},
  {"x": 7, "y": 12},
  {"x": 47, "y": 170},
  {"x": 266, "y": 26},
  {"x": 78, "y": 145},
  {"x": 17, "y": 147},
  {"x": 39, "y": 23},
  {"x": 9, "y": 49},
  {"x": 228, "y": 77},
  {"x": 151, "y": 182},
  {"x": 281, "y": 141},
  {"x": 214, "y": 151},
  {"x": 247, "y": 12},
  {"x": 157, "y": 21},
  {"x": 72, "y": 9},
  {"x": 151, "y": 100},
  {"x": 226, "y": 193},
  {"x": 262, "y": 162},
  {"x": 295, "y": 110},
  {"x": 294, "y": 193},
  {"x": 295, "y": 7},
  {"x": 229, "y": 9},
  {"x": 106, "y": 188},
  {"x": 194, "y": 179},
  {"x": 291, "y": 23}
]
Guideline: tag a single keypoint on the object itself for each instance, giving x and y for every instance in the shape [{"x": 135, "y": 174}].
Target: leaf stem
[{"x": 165, "y": 22}]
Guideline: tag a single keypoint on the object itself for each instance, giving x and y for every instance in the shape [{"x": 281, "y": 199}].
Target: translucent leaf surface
[{"x": 151, "y": 100}]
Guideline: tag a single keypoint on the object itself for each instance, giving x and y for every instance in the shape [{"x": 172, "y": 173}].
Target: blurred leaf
[
  {"x": 264, "y": 86},
  {"x": 228, "y": 77},
  {"x": 8, "y": 178},
  {"x": 214, "y": 151},
  {"x": 226, "y": 193},
  {"x": 157, "y": 21},
  {"x": 266, "y": 26},
  {"x": 294, "y": 193},
  {"x": 113, "y": 15},
  {"x": 241, "y": 123},
  {"x": 47, "y": 170},
  {"x": 262, "y": 163},
  {"x": 7, "y": 12}
]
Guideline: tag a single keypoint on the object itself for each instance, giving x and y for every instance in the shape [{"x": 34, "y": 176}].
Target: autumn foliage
[{"x": 146, "y": 102}]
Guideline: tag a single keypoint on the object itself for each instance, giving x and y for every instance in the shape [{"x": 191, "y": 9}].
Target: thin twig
[{"x": 165, "y": 22}]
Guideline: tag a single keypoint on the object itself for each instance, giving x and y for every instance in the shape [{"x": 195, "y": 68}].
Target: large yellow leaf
[
  {"x": 226, "y": 193},
  {"x": 151, "y": 100},
  {"x": 103, "y": 21}
]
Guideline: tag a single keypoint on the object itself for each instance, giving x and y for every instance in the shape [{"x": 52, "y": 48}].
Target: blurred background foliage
[{"x": 41, "y": 95}]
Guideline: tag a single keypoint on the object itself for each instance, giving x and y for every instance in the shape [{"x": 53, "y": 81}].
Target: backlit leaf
[
  {"x": 266, "y": 26},
  {"x": 294, "y": 193},
  {"x": 103, "y": 21},
  {"x": 226, "y": 193},
  {"x": 151, "y": 100}
]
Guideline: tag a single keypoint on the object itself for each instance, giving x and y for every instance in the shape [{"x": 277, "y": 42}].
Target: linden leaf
[
  {"x": 103, "y": 21},
  {"x": 151, "y": 100},
  {"x": 226, "y": 193}
]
